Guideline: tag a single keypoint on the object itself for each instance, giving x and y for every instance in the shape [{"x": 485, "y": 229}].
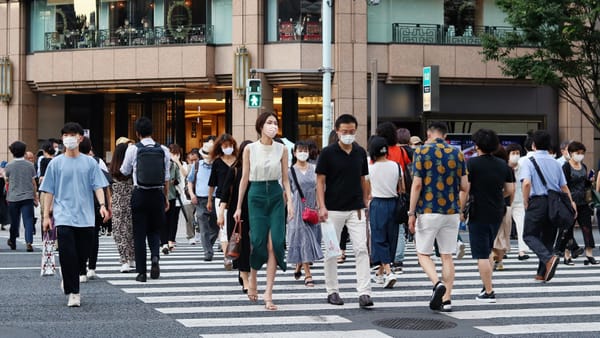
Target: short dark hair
[
  {"x": 528, "y": 141},
  {"x": 486, "y": 140},
  {"x": 515, "y": 147},
  {"x": 576, "y": 146},
  {"x": 143, "y": 126},
  {"x": 71, "y": 128},
  {"x": 387, "y": 130},
  {"x": 403, "y": 135},
  {"x": 345, "y": 118},
  {"x": 440, "y": 127},
  {"x": 85, "y": 146},
  {"x": 262, "y": 119},
  {"x": 17, "y": 148},
  {"x": 542, "y": 140},
  {"x": 48, "y": 147},
  {"x": 378, "y": 147}
]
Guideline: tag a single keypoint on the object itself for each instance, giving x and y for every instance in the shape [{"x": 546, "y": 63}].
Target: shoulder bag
[
  {"x": 560, "y": 210},
  {"x": 402, "y": 202},
  {"x": 309, "y": 215}
]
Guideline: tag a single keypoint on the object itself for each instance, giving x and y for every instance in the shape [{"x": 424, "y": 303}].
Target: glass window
[
  {"x": 221, "y": 21},
  {"x": 460, "y": 17},
  {"x": 293, "y": 20}
]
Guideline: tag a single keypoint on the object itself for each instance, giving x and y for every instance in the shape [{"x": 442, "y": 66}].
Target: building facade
[{"x": 105, "y": 63}]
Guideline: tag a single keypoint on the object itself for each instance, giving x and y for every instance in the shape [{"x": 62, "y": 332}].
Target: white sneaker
[
  {"x": 125, "y": 267},
  {"x": 74, "y": 300},
  {"x": 83, "y": 279},
  {"x": 192, "y": 241},
  {"x": 91, "y": 274},
  {"x": 460, "y": 250},
  {"x": 378, "y": 279},
  {"x": 131, "y": 265},
  {"x": 389, "y": 281},
  {"x": 197, "y": 238}
]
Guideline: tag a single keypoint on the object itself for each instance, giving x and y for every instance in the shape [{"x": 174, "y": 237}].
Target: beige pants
[{"x": 502, "y": 241}]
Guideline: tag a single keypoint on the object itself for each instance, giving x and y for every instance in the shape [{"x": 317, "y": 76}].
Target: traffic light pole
[{"x": 327, "y": 70}]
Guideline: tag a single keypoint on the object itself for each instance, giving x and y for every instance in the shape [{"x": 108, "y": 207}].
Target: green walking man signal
[{"x": 253, "y": 93}]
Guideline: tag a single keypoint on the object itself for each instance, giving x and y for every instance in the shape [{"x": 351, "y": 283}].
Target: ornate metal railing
[
  {"x": 128, "y": 36},
  {"x": 445, "y": 34}
]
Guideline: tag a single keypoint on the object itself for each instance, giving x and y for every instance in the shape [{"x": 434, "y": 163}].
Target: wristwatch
[{"x": 411, "y": 213}]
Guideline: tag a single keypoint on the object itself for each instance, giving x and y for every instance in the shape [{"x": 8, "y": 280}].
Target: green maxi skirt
[{"x": 266, "y": 214}]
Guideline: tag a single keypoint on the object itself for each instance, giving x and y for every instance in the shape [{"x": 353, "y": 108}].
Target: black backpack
[{"x": 150, "y": 165}]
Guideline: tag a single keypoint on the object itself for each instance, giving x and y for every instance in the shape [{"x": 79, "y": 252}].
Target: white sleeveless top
[{"x": 265, "y": 161}]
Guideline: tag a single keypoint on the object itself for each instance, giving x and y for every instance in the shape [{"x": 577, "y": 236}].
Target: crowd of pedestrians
[{"x": 398, "y": 189}]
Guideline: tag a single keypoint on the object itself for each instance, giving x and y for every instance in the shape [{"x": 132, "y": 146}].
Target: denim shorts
[{"x": 481, "y": 239}]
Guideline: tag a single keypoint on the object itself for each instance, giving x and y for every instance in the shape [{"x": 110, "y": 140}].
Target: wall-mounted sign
[{"x": 431, "y": 89}]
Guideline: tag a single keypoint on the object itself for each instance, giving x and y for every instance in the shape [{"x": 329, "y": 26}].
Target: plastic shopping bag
[
  {"x": 223, "y": 235},
  {"x": 48, "y": 256},
  {"x": 332, "y": 243}
]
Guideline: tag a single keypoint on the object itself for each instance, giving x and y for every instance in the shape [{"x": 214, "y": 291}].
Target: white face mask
[
  {"x": 302, "y": 156},
  {"x": 227, "y": 151},
  {"x": 270, "y": 130},
  {"x": 347, "y": 139},
  {"x": 70, "y": 142},
  {"x": 578, "y": 157},
  {"x": 514, "y": 159},
  {"x": 56, "y": 151}
]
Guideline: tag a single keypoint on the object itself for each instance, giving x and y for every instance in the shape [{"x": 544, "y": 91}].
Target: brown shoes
[
  {"x": 551, "y": 267},
  {"x": 29, "y": 247}
]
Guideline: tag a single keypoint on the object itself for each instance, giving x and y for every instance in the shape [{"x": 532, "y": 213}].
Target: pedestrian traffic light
[{"x": 253, "y": 93}]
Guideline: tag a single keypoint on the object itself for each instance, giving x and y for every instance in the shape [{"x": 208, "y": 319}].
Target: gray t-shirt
[{"x": 20, "y": 174}]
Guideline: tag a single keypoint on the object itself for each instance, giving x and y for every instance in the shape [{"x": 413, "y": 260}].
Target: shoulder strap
[
  {"x": 196, "y": 167},
  {"x": 539, "y": 171},
  {"x": 297, "y": 185}
]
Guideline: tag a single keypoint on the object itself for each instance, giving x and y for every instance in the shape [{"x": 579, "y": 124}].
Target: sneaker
[
  {"x": 436, "y": 297},
  {"x": 125, "y": 267},
  {"x": 132, "y": 265},
  {"x": 228, "y": 264},
  {"x": 83, "y": 279},
  {"x": 375, "y": 267},
  {"x": 498, "y": 266},
  {"x": 446, "y": 306},
  {"x": 460, "y": 250},
  {"x": 378, "y": 279},
  {"x": 389, "y": 280},
  {"x": 486, "y": 297},
  {"x": 29, "y": 247},
  {"x": 165, "y": 249},
  {"x": 74, "y": 300},
  {"x": 397, "y": 267},
  {"x": 192, "y": 241},
  {"x": 91, "y": 274},
  {"x": 155, "y": 269}
]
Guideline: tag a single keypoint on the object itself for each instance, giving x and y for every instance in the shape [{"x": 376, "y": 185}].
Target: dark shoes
[
  {"x": 590, "y": 260},
  {"x": 364, "y": 301},
  {"x": 568, "y": 261},
  {"x": 551, "y": 267},
  {"x": 523, "y": 257},
  {"x": 436, "y": 297},
  {"x": 155, "y": 269},
  {"x": 208, "y": 258},
  {"x": 12, "y": 245},
  {"x": 334, "y": 299},
  {"x": 577, "y": 252},
  {"x": 141, "y": 277},
  {"x": 29, "y": 247}
]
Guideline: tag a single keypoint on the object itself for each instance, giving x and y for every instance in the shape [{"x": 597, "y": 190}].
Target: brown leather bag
[{"x": 234, "y": 247}]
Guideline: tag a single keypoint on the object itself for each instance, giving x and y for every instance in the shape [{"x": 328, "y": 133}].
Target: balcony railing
[
  {"x": 128, "y": 36},
  {"x": 445, "y": 35}
]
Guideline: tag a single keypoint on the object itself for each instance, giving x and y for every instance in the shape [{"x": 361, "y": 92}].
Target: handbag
[
  {"x": 560, "y": 210},
  {"x": 309, "y": 215},
  {"x": 401, "y": 208},
  {"x": 48, "y": 256},
  {"x": 234, "y": 246}
]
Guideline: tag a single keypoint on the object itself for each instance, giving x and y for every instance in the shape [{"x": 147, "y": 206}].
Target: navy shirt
[{"x": 343, "y": 171}]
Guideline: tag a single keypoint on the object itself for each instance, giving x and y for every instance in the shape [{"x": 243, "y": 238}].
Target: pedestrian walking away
[
  {"x": 148, "y": 162},
  {"x": 70, "y": 178}
]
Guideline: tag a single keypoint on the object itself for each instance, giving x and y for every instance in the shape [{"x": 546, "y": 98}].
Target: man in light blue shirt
[
  {"x": 198, "y": 188},
  {"x": 539, "y": 232},
  {"x": 68, "y": 201}
]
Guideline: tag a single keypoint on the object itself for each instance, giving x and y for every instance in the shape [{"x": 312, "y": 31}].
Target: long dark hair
[
  {"x": 239, "y": 161},
  {"x": 117, "y": 161}
]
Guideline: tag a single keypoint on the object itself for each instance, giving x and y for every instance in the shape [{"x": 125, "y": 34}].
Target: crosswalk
[{"x": 204, "y": 296}]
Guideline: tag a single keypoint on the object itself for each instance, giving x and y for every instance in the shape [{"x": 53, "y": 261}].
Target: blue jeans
[
  {"x": 399, "y": 257},
  {"x": 384, "y": 231},
  {"x": 17, "y": 209}
]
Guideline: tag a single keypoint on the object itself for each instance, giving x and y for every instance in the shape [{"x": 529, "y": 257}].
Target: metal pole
[
  {"x": 327, "y": 70},
  {"x": 373, "y": 96}
]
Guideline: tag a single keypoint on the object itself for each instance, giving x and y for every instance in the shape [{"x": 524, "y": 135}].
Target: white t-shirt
[{"x": 384, "y": 178}]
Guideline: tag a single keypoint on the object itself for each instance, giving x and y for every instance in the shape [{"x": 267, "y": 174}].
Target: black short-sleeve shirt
[
  {"x": 343, "y": 191},
  {"x": 487, "y": 175},
  {"x": 217, "y": 175}
]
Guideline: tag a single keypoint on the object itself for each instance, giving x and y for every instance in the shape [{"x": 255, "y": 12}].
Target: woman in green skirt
[{"x": 266, "y": 165}]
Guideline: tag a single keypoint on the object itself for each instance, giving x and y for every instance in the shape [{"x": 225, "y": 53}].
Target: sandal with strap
[
  {"x": 341, "y": 259},
  {"x": 308, "y": 282},
  {"x": 269, "y": 305}
]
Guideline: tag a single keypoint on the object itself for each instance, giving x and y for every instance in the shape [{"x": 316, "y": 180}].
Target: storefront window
[{"x": 294, "y": 20}]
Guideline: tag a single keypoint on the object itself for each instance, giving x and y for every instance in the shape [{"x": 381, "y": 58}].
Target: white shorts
[{"x": 440, "y": 227}]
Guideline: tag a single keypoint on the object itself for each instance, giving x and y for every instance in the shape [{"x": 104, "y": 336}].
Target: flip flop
[{"x": 308, "y": 282}]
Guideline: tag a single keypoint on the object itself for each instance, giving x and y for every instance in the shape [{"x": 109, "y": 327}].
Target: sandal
[
  {"x": 269, "y": 305},
  {"x": 308, "y": 282},
  {"x": 341, "y": 259}
]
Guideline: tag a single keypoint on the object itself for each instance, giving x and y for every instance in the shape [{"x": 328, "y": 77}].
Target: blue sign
[{"x": 426, "y": 76}]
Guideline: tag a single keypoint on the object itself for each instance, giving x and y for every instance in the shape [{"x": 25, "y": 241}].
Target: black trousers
[
  {"x": 73, "y": 250},
  {"x": 538, "y": 232},
  {"x": 148, "y": 216},
  {"x": 169, "y": 230}
]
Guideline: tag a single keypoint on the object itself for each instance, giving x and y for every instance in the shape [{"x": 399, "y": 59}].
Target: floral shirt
[{"x": 440, "y": 167}]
